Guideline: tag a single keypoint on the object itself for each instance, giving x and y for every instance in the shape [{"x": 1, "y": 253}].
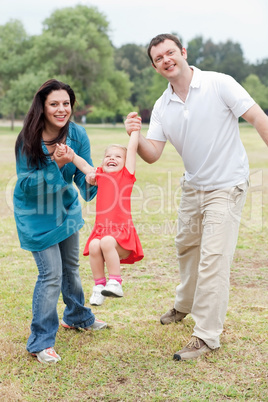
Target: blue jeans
[{"x": 58, "y": 268}]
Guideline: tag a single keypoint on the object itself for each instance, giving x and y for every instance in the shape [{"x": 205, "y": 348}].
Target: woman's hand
[{"x": 63, "y": 154}]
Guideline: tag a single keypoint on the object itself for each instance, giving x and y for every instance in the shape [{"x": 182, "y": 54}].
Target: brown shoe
[
  {"x": 196, "y": 347},
  {"x": 172, "y": 316}
]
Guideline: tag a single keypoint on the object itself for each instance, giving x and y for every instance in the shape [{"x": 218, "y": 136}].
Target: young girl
[{"x": 114, "y": 239}]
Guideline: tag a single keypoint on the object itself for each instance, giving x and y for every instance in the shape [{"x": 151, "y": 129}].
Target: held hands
[
  {"x": 132, "y": 122},
  {"x": 63, "y": 154},
  {"x": 91, "y": 178}
]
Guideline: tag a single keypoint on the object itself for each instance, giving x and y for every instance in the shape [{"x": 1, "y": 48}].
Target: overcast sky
[{"x": 137, "y": 21}]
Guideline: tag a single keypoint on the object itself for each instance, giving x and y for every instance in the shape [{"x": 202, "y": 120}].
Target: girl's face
[
  {"x": 57, "y": 110},
  {"x": 114, "y": 159}
]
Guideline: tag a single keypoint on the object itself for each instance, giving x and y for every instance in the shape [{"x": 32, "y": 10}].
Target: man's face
[{"x": 168, "y": 59}]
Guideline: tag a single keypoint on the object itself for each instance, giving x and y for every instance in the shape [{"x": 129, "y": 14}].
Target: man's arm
[
  {"x": 256, "y": 116},
  {"x": 149, "y": 150}
]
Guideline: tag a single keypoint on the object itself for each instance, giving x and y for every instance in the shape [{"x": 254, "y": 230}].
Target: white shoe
[
  {"x": 113, "y": 289},
  {"x": 97, "y": 298},
  {"x": 97, "y": 324},
  {"x": 47, "y": 356}
]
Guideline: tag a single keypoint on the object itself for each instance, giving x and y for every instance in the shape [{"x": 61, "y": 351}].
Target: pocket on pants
[
  {"x": 217, "y": 233},
  {"x": 213, "y": 217},
  {"x": 239, "y": 192},
  {"x": 189, "y": 230}
]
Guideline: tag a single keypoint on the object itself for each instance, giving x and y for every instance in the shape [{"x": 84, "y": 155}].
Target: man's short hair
[{"x": 161, "y": 38}]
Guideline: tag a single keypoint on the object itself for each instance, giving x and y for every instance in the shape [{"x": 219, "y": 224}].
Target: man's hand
[{"x": 132, "y": 122}]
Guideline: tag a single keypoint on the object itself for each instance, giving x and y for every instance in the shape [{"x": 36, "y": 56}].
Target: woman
[{"x": 48, "y": 214}]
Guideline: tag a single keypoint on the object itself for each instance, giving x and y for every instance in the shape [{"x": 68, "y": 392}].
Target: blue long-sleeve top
[{"x": 46, "y": 205}]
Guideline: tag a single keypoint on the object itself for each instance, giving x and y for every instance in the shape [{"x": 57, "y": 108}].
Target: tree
[
  {"x": 257, "y": 90},
  {"x": 84, "y": 53},
  {"x": 261, "y": 70},
  {"x": 159, "y": 85},
  {"x": 74, "y": 46},
  {"x": 224, "y": 57},
  {"x": 133, "y": 59},
  {"x": 13, "y": 42},
  {"x": 195, "y": 51},
  {"x": 231, "y": 60}
]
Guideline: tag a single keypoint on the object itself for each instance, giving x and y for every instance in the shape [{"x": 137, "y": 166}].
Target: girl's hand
[
  {"x": 63, "y": 154},
  {"x": 60, "y": 149},
  {"x": 91, "y": 178},
  {"x": 132, "y": 122}
]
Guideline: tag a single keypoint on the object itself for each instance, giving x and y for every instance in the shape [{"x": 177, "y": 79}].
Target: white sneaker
[
  {"x": 47, "y": 356},
  {"x": 97, "y": 324},
  {"x": 113, "y": 289},
  {"x": 97, "y": 298}
]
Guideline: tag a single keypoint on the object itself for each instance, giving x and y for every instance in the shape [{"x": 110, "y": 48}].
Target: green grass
[{"x": 132, "y": 360}]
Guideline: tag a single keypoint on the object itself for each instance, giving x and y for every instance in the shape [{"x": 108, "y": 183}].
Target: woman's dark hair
[
  {"x": 161, "y": 38},
  {"x": 30, "y": 137}
]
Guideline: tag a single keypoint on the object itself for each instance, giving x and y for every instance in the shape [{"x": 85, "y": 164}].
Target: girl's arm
[
  {"x": 82, "y": 165},
  {"x": 132, "y": 151},
  {"x": 62, "y": 150}
]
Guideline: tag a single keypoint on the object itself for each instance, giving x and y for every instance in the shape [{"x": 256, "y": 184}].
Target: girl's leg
[
  {"x": 112, "y": 253},
  {"x": 97, "y": 266},
  {"x": 45, "y": 298},
  {"x": 96, "y": 259},
  {"x": 75, "y": 313}
]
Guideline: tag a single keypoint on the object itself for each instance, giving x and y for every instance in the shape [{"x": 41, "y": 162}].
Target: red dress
[{"x": 113, "y": 216}]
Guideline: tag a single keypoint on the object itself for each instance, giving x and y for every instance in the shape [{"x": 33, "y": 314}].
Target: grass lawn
[{"x": 132, "y": 359}]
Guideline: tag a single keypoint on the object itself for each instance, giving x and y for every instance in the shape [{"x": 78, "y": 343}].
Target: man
[{"x": 198, "y": 113}]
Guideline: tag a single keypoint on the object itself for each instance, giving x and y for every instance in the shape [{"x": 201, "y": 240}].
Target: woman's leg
[
  {"x": 45, "y": 298},
  {"x": 75, "y": 313}
]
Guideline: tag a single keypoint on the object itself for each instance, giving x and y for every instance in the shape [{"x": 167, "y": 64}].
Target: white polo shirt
[{"x": 204, "y": 129}]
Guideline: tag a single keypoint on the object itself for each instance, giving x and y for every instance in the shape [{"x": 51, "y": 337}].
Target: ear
[
  {"x": 184, "y": 53},
  {"x": 154, "y": 67}
]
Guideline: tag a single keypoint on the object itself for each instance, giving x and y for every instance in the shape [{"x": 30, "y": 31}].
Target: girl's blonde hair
[{"x": 115, "y": 146}]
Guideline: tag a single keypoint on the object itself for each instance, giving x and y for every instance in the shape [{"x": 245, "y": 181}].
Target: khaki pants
[{"x": 208, "y": 225}]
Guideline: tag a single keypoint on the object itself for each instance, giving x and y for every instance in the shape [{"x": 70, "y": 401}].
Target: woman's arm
[{"x": 32, "y": 179}]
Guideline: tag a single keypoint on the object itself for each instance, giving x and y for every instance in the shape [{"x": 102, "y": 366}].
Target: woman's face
[{"x": 57, "y": 110}]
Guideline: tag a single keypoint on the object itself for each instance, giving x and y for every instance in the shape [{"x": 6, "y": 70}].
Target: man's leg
[
  {"x": 187, "y": 243},
  {"x": 222, "y": 213}
]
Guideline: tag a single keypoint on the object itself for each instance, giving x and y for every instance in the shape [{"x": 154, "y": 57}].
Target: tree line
[{"x": 75, "y": 47}]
